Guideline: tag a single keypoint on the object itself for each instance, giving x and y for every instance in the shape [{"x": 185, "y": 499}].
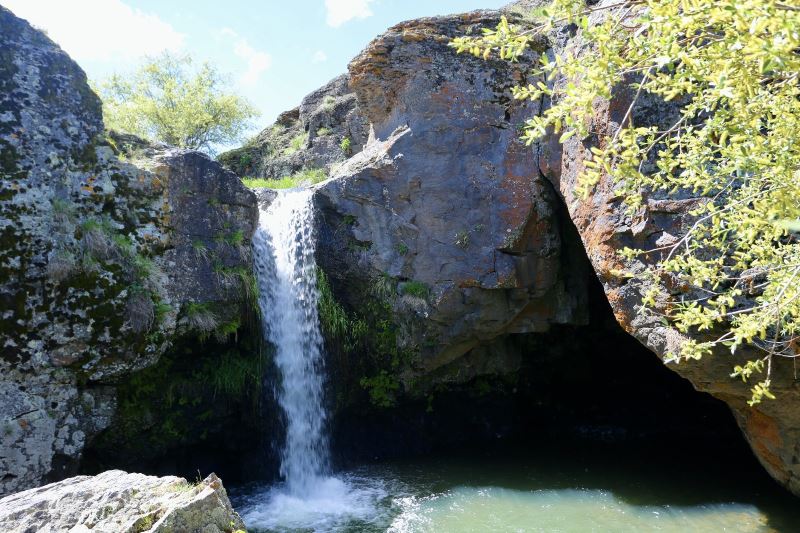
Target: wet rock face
[
  {"x": 445, "y": 202},
  {"x": 104, "y": 241},
  {"x": 118, "y": 502},
  {"x": 323, "y": 131}
]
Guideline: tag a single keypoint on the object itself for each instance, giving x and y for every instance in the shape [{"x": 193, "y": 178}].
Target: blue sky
[{"x": 274, "y": 51}]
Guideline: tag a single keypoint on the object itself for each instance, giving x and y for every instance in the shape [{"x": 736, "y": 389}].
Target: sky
[{"x": 274, "y": 51}]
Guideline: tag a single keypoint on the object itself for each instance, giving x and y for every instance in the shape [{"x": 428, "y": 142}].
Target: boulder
[
  {"x": 107, "y": 245},
  {"x": 119, "y": 502}
]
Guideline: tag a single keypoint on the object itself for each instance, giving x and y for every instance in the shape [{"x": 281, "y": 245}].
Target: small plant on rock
[{"x": 346, "y": 145}]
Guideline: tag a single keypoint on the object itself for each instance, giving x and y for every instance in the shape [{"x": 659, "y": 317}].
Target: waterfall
[{"x": 284, "y": 255}]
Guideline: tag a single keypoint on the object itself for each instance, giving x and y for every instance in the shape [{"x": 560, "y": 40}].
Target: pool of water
[{"x": 528, "y": 493}]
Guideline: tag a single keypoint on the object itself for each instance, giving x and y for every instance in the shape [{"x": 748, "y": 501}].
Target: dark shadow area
[
  {"x": 206, "y": 406},
  {"x": 590, "y": 394}
]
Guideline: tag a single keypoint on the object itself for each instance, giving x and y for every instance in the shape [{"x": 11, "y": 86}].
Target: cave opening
[{"x": 588, "y": 395}]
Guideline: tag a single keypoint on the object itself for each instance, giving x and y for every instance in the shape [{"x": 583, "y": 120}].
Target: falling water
[
  {"x": 284, "y": 252},
  {"x": 310, "y": 498}
]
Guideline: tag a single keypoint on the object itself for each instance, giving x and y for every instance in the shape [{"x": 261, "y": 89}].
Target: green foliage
[
  {"x": 168, "y": 100},
  {"x": 336, "y": 324},
  {"x": 730, "y": 68},
  {"x": 296, "y": 144},
  {"x": 236, "y": 374},
  {"x": 346, "y": 145},
  {"x": 402, "y": 248},
  {"x": 323, "y": 132},
  {"x": 303, "y": 178},
  {"x": 381, "y": 388},
  {"x": 415, "y": 288},
  {"x": 198, "y": 317}
]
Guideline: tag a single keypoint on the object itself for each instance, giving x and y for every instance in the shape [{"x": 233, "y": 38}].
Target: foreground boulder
[
  {"x": 110, "y": 249},
  {"x": 118, "y": 502}
]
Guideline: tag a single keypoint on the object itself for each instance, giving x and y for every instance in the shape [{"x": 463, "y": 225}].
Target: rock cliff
[
  {"x": 772, "y": 428},
  {"x": 110, "y": 249},
  {"x": 323, "y": 131}
]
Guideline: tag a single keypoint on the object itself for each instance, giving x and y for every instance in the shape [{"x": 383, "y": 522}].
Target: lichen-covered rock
[
  {"x": 118, "y": 502},
  {"x": 323, "y": 131},
  {"x": 444, "y": 205},
  {"x": 108, "y": 248}
]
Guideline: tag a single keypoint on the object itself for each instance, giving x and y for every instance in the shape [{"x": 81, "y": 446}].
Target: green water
[{"x": 530, "y": 492}]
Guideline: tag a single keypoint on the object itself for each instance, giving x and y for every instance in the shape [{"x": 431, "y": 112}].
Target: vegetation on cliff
[
  {"x": 729, "y": 69},
  {"x": 167, "y": 100}
]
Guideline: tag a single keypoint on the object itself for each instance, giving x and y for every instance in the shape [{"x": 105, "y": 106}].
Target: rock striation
[
  {"x": 119, "y": 502},
  {"x": 107, "y": 248}
]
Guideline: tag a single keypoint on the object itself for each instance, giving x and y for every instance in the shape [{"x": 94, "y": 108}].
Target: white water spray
[
  {"x": 284, "y": 254},
  {"x": 310, "y": 499}
]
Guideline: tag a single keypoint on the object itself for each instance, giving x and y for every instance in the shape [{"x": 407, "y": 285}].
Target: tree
[
  {"x": 167, "y": 100},
  {"x": 732, "y": 69}
]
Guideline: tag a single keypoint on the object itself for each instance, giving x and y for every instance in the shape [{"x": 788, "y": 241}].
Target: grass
[
  {"x": 323, "y": 132},
  {"x": 236, "y": 374},
  {"x": 297, "y": 142},
  {"x": 348, "y": 331},
  {"x": 303, "y": 178},
  {"x": 462, "y": 239},
  {"x": 199, "y": 317},
  {"x": 328, "y": 103},
  {"x": 414, "y": 288}
]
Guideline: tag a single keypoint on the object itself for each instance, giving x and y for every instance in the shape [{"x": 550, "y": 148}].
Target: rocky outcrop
[
  {"x": 110, "y": 249},
  {"x": 444, "y": 208},
  {"x": 323, "y": 131},
  {"x": 118, "y": 502},
  {"x": 772, "y": 427}
]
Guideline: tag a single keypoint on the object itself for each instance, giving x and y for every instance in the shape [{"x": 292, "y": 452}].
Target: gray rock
[
  {"x": 118, "y": 502},
  {"x": 104, "y": 240},
  {"x": 445, "y": 196}
]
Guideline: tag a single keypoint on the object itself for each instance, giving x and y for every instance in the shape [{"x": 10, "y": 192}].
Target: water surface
[{"x": 547, "y": 491}]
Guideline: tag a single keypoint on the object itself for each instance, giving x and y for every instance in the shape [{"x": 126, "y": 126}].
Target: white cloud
[
  {"x": 319, "y": 57},
  {"x": 256, "y": 60},
  {"x": 341, "y": 11},
  {"x": 99, "y": 30}
]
